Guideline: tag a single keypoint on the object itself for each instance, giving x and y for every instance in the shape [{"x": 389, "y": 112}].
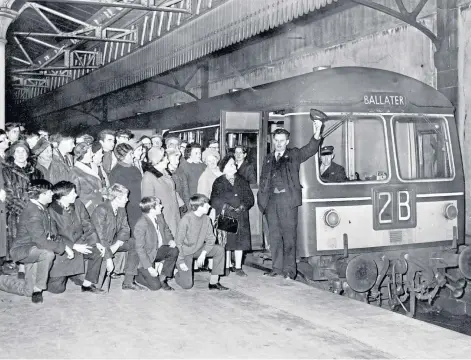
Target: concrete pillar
[{"x": 6, "y": 18}]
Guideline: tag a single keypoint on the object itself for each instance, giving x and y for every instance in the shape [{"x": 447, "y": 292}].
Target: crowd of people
[{"x": 91, "y": 210}]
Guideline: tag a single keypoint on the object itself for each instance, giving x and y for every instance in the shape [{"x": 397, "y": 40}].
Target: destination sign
[{"x": 384, "y": 99}]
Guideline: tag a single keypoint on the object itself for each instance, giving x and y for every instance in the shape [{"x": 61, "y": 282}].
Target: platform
[{"x": 258, "y": 318}]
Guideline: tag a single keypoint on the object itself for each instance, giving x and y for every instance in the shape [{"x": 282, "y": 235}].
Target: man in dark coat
[
  {"x": 330, "y": 171},
  {"x": 154, "y": 243},
  {"x": 35, "y": 245},
  {"x": 111, "y": 224},
  {"x": 107, "y": 141},
  {"x": 71, "y": 221},
  {"x": 280, "y": 195},
  {"x": 62, "y": 161}
]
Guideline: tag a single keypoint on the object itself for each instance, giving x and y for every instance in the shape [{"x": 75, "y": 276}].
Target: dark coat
[
  {"x": 60, "y": 169},
  {"x": 34, "y": 229},
  {"x": 334, "y": 173},
  {"x": 130, "y": 177},
  {"x": 290, "y": 163},
  {"x": 247, "y": 171},
  {"x": 3, "y": 217},
  {"x": 109, "y": 162},
  {"x": 110, "y": 228},
  {"x": 16, "y": 182},
  {"x": 147, "y": 239},
  {"x": 74, "y": 227},
  {"x": 88, "y": 185},
  {"x": 239, "y": 194}
]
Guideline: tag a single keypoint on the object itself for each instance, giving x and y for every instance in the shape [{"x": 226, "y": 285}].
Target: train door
[{"x": 247, "y": 129}]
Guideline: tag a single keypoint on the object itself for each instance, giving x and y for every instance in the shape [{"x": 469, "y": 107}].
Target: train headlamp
[
  {"x": 451, "y": 212},
  {"x": 331, "y": 218}
]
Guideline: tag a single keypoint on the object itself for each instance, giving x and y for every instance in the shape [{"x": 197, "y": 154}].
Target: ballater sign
[{"x": 384, "y": 100}]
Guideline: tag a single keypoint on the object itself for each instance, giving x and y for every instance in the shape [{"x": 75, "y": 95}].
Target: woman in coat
[
  {"x": 157, "y": 182},
  {"x": 86, "y": 178},
  {"x": 130, "y": 177},
  {"x": 232, "y": 193},
  {"x": 71, "y": 221},
  {"x": 210, "y": 174},
  {"x": 4, "y": 143},
  {"x": 18, "y": 172}
]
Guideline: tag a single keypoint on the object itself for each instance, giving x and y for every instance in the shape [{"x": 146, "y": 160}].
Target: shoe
[
  {"x": 288, "y": 277},
  {"x": 115, "y": 276},
  {"x": 271, "y": 274},
  {"x": 134, "y": 287},
  {"x": 217, "y": 286},
  {"x": 92, "y": 289},
  {"x": 140, "y": 286},
  {"x": 233, "y": 269},
  {"x": 166, "y": 286},
  {"x": 240, "y": 272},
  {"x": 21, "y": 275},
  {"x": 37, "y": 297}
]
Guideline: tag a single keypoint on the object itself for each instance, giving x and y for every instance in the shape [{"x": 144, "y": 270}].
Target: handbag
[{"x": 227, "y": 223}]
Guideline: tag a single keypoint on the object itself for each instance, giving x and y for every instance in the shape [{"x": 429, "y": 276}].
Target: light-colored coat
[{"x": 154, "y": 183}]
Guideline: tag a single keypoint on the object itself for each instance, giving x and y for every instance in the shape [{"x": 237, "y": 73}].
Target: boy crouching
[
  {"x": 195, "y": 240},
  {"x": 154, "y": 243}
]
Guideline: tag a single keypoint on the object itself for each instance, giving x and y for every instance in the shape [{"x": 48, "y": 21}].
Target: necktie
[{"x": 278, "y": 155}]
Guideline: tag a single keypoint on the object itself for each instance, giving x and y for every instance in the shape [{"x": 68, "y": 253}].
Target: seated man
[
  {"x": 70, "y": 220},
  {"x": 111, "y": 224},
  {"x": 154, "y": 243},
  {"x": 196, "y": 240},
  {"x": 35, "y": 245},
  {"x": 330, "y": 171}
]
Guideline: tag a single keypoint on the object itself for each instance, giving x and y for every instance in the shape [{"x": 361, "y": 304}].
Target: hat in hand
[{"x": 315, "y": 114}]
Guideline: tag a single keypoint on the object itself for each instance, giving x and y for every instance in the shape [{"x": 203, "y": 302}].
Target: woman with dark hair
[
  {"x": 70, "y": 220},
  {"x": 139, "y": 155},
  {"x": 126, "y": 174},
  {"x": 97, "y": 163},
  {"x": 18, "y": 173},
  {"x": 4, "y": 143},
  {"x": 86, "y": 178},
  {"x": 232, "y": 193}
]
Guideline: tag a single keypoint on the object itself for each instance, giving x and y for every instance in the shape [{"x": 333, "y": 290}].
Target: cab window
[
  {"x": 354, "y": 149},
  {"x": 422, "y": 147}
]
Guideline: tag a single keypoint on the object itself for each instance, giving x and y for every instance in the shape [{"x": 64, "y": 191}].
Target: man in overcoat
[{"x": 280, "y": 195}]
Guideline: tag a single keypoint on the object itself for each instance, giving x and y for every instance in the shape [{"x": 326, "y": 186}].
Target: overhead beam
[
  {"x": 74, "y": 36},
  {"x": 165, "y": 7},
  {"x": 18, "y": 71}
]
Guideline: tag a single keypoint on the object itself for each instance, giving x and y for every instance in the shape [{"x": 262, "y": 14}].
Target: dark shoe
[
  {"x": 132, "y": 287},
  {"x": 21, "y": 275},
  {"x": 166, "y": 286},
  {"x": 233, "y": 269},
  {"x": 217, "y": 286},
  {"x": 288, "y": 277},
  {"x": 37, "y": 297},
  {"x": 92, "y": 289},
  {"x": 240, "y": 272},
  {"x": 271, "y": 274}
]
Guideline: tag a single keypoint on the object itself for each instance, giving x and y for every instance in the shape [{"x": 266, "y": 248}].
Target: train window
[
  {"x": 354, "y": 149},
  {"x": 422, "y": 147}
]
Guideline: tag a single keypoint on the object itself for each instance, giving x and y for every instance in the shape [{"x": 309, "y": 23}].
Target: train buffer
[{"x": 259, "y": 317}]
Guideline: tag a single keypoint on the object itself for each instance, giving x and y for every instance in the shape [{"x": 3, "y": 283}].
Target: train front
[{"x": 383, "y": 200}]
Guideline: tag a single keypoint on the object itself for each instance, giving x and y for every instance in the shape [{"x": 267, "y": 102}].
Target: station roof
[{"x": 60, "y": 41}]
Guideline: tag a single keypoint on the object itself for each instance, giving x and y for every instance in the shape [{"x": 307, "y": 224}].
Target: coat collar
[
  {"x": 90, "y": 171},
  {"x": 154, "y": 171},
  {"x": 59, "y": 209}
]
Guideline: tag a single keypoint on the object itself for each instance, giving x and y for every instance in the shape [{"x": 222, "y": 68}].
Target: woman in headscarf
[{"x": 157, "y": 182}]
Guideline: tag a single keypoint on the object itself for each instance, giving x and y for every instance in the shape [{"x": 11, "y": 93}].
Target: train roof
[{"x": 341, "y": 89}]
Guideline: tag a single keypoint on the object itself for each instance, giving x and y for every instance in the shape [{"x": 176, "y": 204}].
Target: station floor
[{"x": 258, "y": 318}]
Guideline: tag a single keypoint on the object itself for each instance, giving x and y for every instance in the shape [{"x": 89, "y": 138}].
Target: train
[{"x": 393, "y": 231}]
